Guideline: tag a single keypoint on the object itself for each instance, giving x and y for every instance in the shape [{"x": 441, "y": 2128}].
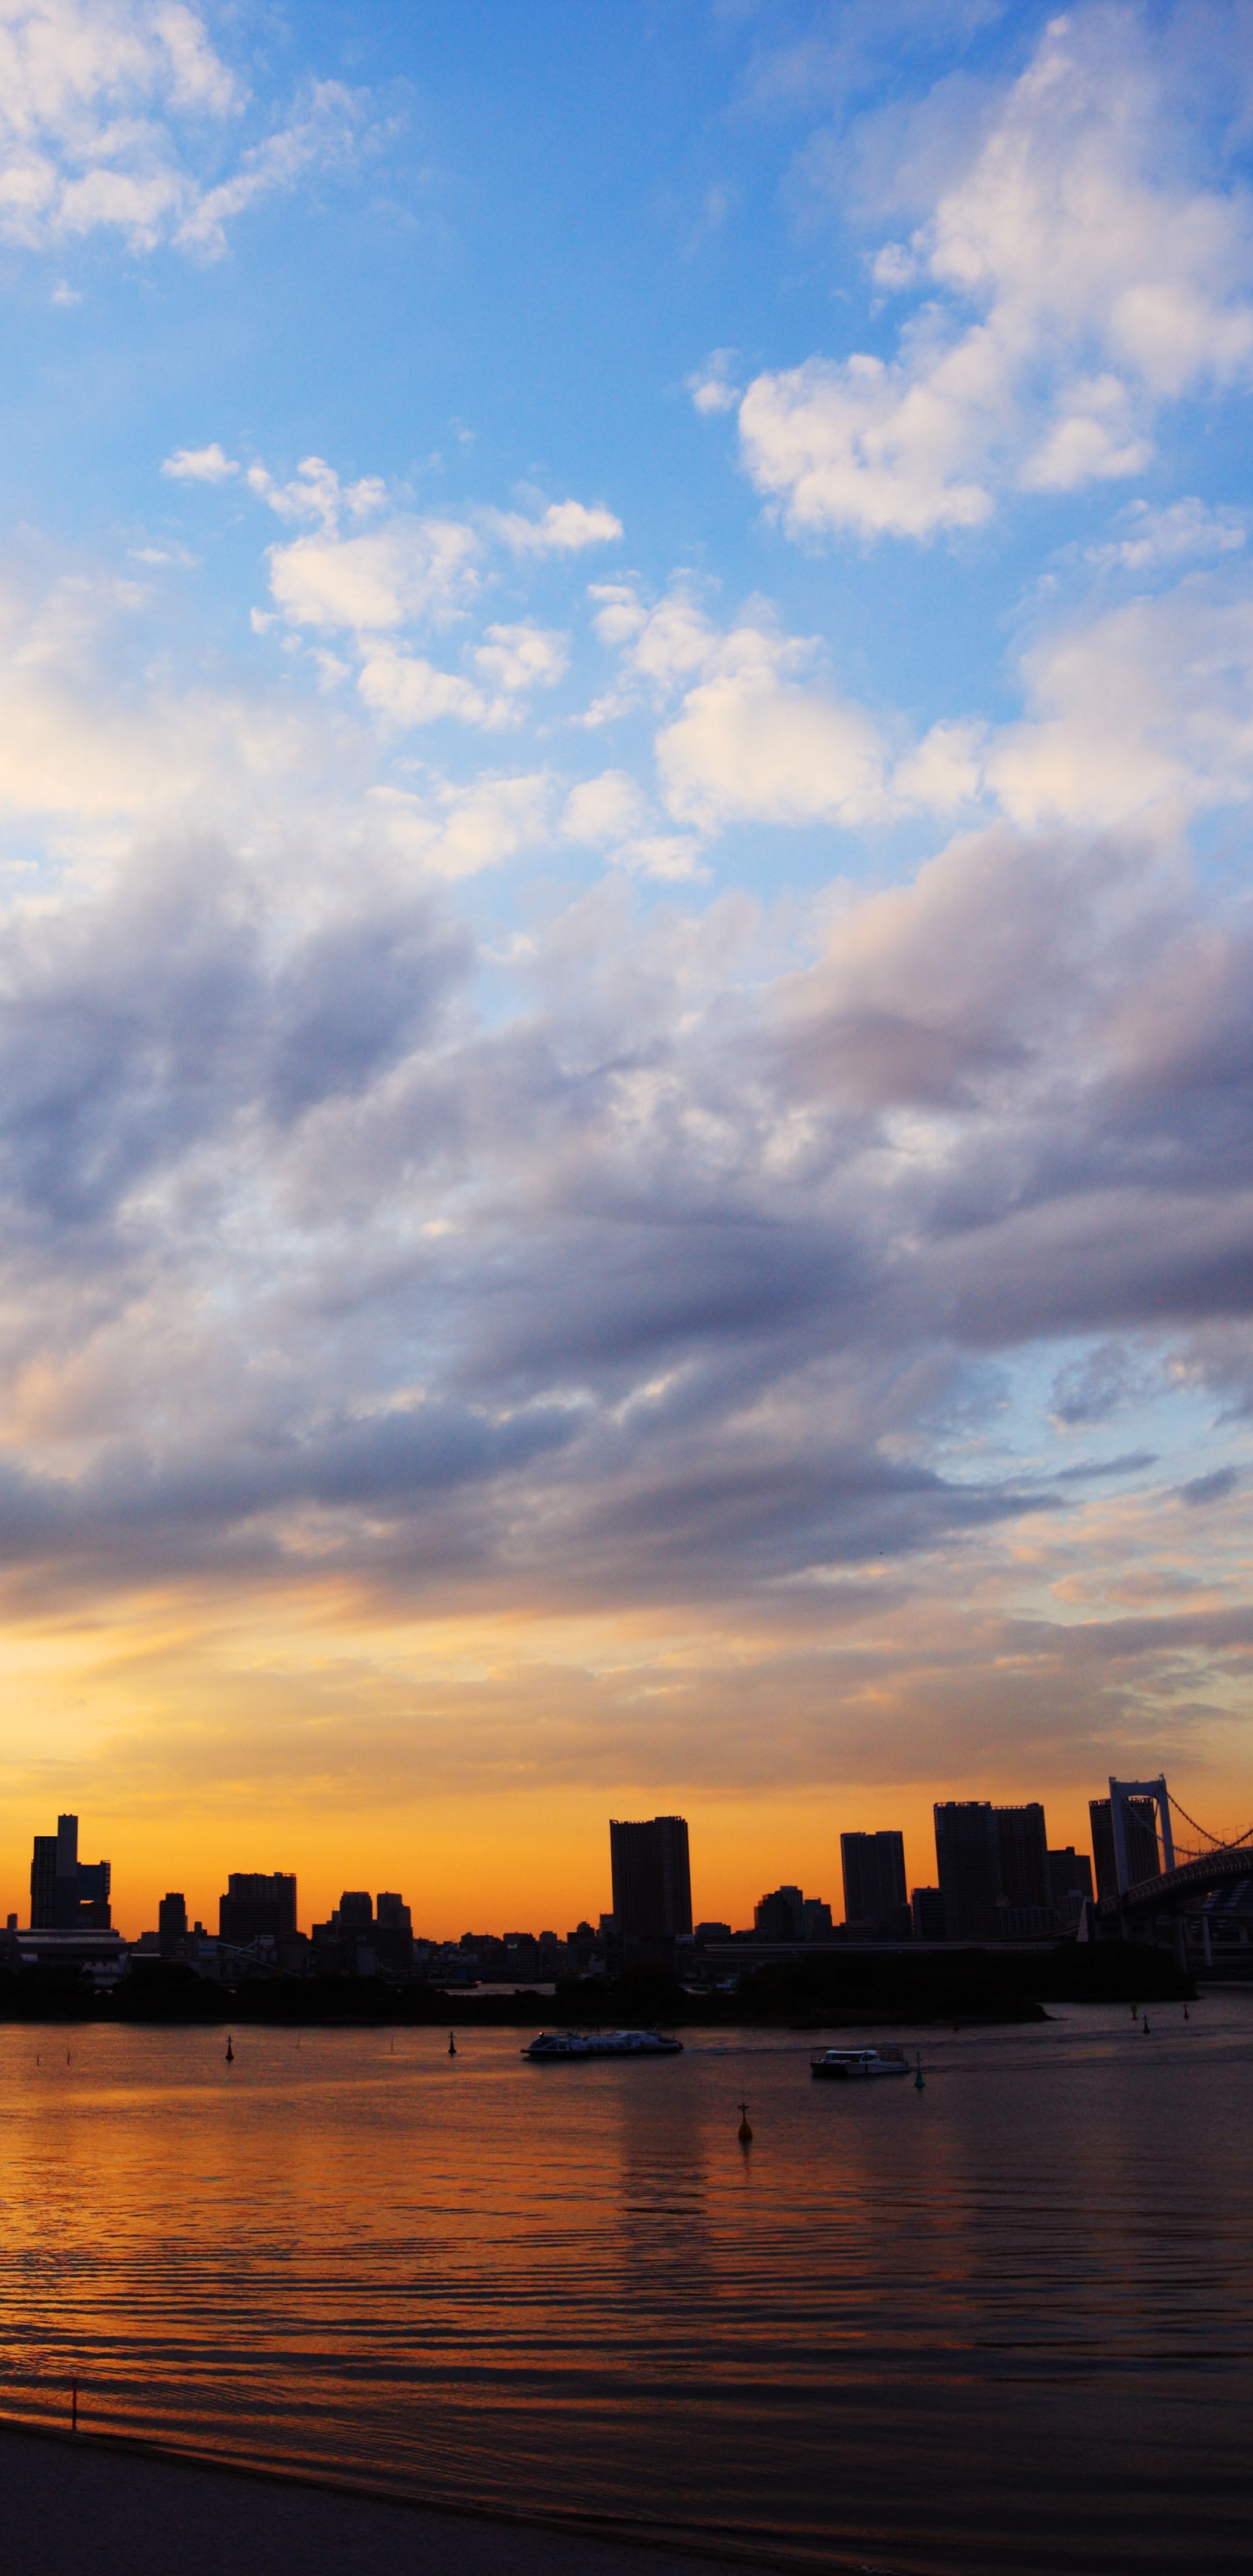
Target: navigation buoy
[
  {"x": 452, "y": 2045},
  {"x": 1186, "y": 2014},
  {"x": 920, "y": 2081},
  {"x": 1135, "y": 2012},
  {"x": 744, "y": 2132},
  {"x": 1145, "y": 2027},
  {"x": 230, "y": 2053}
]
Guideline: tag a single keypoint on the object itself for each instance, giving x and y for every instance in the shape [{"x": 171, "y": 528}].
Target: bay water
[{"x": 1004, "y": 2323}]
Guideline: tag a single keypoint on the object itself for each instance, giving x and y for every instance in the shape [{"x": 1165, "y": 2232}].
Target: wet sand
[{"x": 121, "y": 2509}]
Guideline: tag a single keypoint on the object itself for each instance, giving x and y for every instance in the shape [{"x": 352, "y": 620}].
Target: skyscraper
[
  {"x": 781, "y": 1915},
  {"x": 652, "y": 1880},
  {"x": 1023, "y": 1855},
  {"x": 256, "y": 1904},
  {"x": 1070, "y": 1885},
  {"x": 66, "y": 1893},
  {"x": 967, "y": 1852},
  {"x": 172, "y": 1925},
  {"x": 875, "y": 1896}
]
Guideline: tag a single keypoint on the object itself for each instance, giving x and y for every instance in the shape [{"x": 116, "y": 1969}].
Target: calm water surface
[{"x": 1004, "y": 2324}]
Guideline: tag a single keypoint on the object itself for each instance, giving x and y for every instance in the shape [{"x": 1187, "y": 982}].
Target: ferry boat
[
  {"x": 847, "y": 2065},
  {"x": 603, "y": 2043}
]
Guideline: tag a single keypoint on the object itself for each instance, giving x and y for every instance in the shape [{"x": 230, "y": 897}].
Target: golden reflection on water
[{"x": 1001, "y": 2324}]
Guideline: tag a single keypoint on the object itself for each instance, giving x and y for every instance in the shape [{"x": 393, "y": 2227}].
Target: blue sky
[{"x": 626, "y": 733}]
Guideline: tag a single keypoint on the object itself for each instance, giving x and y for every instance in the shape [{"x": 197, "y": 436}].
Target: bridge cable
[{"x": 1214, "y": 1839}]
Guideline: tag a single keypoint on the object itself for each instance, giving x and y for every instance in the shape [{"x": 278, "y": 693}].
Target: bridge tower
[{"x": 1119, "y": 1792}]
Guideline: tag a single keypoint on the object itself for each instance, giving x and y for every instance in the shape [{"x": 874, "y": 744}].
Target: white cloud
[
  {"x": 749, "y": 745},
  {"x": 521, "y": 657},
  {"x": 752, "y": 739},
  {"x": 565, "y": 527},
  {"x": 1145, "y": 710},
  {"x": 458, "y": 831},
  {"x": 1154, "y": 538},
  {"x": 605, "y": 809},
  {"x": 711, "y": 388},
  {"x": 944, "y": 773},
  {"x": 411, "y": 570},
  {"x": 96, "y": 747},
  {"x": 321, "y": 138},
  {"x": 409, "y": 691},
  {"x": 315, "y": 492},
  {"x": 1089, "y": 442},
  {"x": 111, "y": 119},
  {"x": 200, "y": 465},
  {"x": 1103, "y": 285}
]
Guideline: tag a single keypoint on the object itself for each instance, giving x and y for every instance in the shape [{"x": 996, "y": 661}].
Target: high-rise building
[
  {"x": 1070, "y": 1885},
  {"x": 875, "y": 1897},
  {"x": 1143, "y": 1855},
  {"x": 781, "y": 1915},
  {"x": 926, "y": 1904},
  {"x": 257, "y": 1905},
  {"x": 393, "y": 1931},
  {"x": 1022, "y": 1853},
  {"x": 172, "y": 1926},
  {"x": 652, "y": 1880},
  {"x": 67, "y": 1894},
  {"x": 967, "y": 1851}
]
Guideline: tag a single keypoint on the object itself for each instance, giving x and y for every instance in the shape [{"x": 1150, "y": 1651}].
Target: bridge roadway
[{"x": 1170, "y": 1892}]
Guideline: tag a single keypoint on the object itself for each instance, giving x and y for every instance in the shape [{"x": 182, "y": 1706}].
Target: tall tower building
[
  {"x": 967, "y": 1851},
  {"x": 1023, "y": 1853},
  {"x": 67, "y": 1893},
  {"x": 652, "y": 1879},
  {"x": 875, "y": 1896}
]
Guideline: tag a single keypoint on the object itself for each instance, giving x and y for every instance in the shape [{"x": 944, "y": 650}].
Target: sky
[{"x": 626, "y": 964}]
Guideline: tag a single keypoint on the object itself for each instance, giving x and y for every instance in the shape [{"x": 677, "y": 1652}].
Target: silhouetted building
[
  {"x": 356, "y": 1910},
  {"x": 1070, "y": 1885},
  {"x": 818, "y": 1923},
  {"x": 172, "y": 1926},
  {"x": 652, "y": 1880},
  {"x": 1023, "y": 1858},
  {"x": 257, "y": 1906},
  {"x": 67, "y": 1894},
  {"x": 926, "y": 1904},
  {"x": 393, "y": 1931},
  {"x": 1143, "y": 1856},
  {"x": 875, "y": 1898},
  {"x": 967, "y": 1855},
  {"x": 781, "y": 1915}
]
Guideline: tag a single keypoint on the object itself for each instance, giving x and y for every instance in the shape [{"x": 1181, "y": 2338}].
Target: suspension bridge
[{"x": 1192, "y": 1863}]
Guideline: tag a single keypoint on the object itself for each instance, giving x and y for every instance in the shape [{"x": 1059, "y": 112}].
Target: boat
[
  {"x": 848, "y": 2065},
  {"x": 602, "y": 2043}
]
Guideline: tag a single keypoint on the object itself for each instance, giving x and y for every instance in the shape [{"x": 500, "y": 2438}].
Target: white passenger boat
[
  {"x": 848, "y": 2065},
  {"x": 553, "y": 2044}
]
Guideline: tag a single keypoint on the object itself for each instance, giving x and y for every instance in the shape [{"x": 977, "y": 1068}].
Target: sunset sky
[{"x": 626, "y": 746}]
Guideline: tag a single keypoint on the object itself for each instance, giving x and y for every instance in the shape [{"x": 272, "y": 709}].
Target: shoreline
[{"x": 144, "y": 2502}]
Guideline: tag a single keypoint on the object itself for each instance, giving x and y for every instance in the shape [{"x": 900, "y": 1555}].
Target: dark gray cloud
[
  {"x": 646, "y": 1281},
  {"x": 1215, "y": 1488},
  {"x": 135, "y": 1025}
]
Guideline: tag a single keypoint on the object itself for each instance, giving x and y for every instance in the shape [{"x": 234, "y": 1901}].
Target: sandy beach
[{"x": 123, "y": 2510}]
